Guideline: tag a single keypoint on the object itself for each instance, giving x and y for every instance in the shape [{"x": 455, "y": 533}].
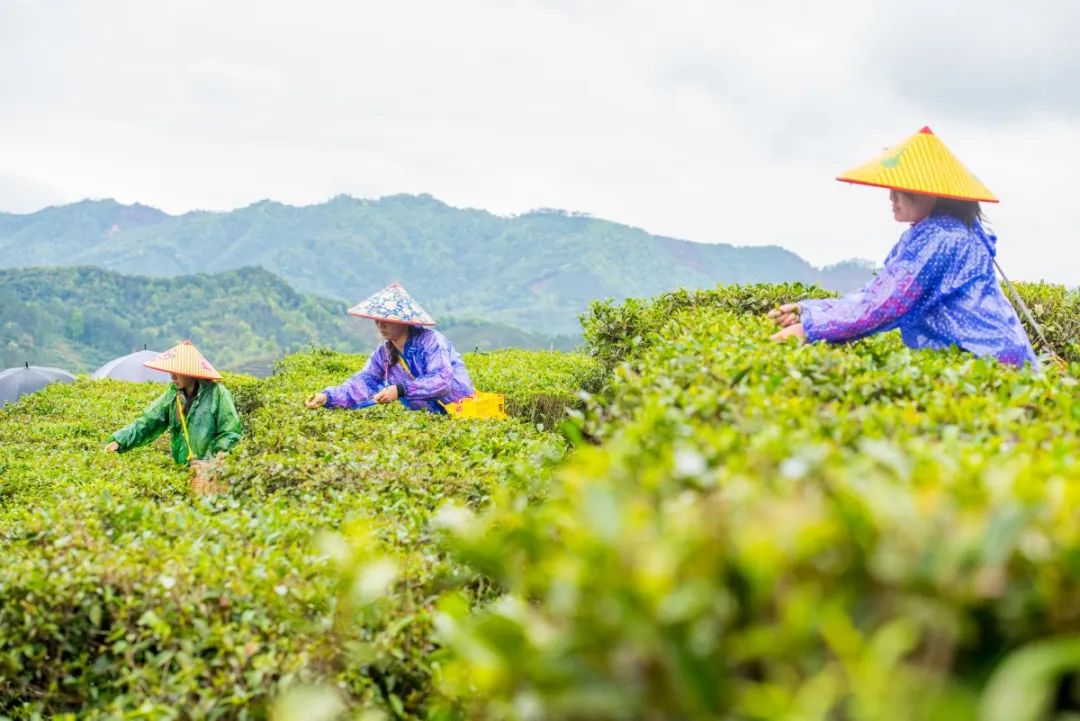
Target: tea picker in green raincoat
[{"x": 197, "y": 410}]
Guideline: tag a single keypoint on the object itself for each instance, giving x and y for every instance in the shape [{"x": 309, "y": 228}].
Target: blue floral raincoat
[
  {"x": 436, "y": 374},
  {"x": 938, "y": 287}
]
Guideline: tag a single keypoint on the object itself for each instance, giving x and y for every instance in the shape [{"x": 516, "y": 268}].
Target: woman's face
[
  {"x": 391, "y": 331},
  {"x": 910, "y": 207},
  {"x": 183, "y": 383}
]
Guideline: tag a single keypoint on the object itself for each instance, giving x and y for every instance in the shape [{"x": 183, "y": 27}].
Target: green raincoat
[{"x": 212, "y": 423}]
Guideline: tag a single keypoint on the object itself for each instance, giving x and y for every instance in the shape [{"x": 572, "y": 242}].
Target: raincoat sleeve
[
  {"x": 440, "y": 370},
  {"x": 358, "y": 390},
  {"x": 912, "y": 272},
  {"x": 227, "y": 421},
  {"x": 152, "y": 423}
]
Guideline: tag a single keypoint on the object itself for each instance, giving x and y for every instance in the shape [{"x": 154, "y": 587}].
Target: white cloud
[
  {"x": 714, "y": 121},
  {"x": 24, "y": 195},
  {"x": 988, "y": 61}
]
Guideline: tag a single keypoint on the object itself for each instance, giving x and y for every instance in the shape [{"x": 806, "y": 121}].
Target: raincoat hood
[{"x": 988, "y": 238}]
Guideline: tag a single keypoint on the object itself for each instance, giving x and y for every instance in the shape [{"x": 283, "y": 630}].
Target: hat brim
[
  {"x": 205, "y": 375},
  {"x": 392, "y": 320},
  {"x": 917, "y": 192}
]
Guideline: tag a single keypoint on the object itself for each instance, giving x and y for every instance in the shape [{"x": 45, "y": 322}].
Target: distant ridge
[
  {"x": 536, "y": 271},
  {"x": 244, "y": 320}
]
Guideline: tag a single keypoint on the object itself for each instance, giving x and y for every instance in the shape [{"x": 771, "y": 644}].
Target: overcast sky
[{"x": 715, "y": 121}]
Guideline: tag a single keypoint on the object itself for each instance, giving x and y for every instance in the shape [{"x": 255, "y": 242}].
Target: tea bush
[
  {"x": 753, "y": 532},
  {"x": 613, "y": 331},
  {"x": 122, "y": 595},
  {"x": 539, "y": 385},
  {"x": 782, "y": 532},
  {"x": 1057, "y": 311}
]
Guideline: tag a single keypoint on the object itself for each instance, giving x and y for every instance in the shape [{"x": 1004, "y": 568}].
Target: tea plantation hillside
[
  {"x": 124, "y": 596},
  {"x": 724, "y": 529}
]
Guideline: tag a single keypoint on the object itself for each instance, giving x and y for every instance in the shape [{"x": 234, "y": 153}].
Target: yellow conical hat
[
  {"x": 921, "y": 164},
  {"x": 185, "y": 360}
]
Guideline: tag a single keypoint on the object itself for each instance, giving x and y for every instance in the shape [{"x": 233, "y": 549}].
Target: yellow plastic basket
[{"x": 481, "y": 405}]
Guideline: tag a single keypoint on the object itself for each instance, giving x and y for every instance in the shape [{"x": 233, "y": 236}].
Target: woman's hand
[
  {"x": 791, "y": 331},
  {"x": 386, "y": 395},
  {"x": 786, "y": 315},
  {"x": 316, "y": 401},
  {"x": 113, "y": 447}
]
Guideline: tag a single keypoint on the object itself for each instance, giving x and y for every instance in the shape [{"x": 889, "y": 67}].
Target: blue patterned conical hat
[{"x": 392, "y": 303}]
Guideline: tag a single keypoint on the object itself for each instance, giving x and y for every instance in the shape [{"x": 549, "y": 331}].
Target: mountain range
[
  {"x": 79, "y": 318},
  {"x": 535, "y": 272}
]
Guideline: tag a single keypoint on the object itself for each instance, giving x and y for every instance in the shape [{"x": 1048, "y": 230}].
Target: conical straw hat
[
  {"x": 921, "y": 164},
  {"x": 392, "y": 303},
  {"x": 185, "y": 360}
]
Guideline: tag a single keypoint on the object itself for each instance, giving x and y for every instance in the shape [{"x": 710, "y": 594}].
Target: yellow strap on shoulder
[{"x": 183, "y": 425}]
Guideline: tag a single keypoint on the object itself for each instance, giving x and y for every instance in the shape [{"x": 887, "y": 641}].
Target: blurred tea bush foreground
[{"x": 685, "y": 523}]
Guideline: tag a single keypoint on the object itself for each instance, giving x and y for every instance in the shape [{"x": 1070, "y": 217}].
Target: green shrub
[
  {"x": 761, "y": 532},
  {"x": 615, "y": 331},
  {"x": 539, "y": 385},
  {"x": 767, "y": 532},
  {"x": 1057, "y": 311},
  {"x": 246, "y": 391},
  {"x": 124, "y": 595}
]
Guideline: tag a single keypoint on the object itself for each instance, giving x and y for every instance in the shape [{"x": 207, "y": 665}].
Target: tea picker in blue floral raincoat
[
  {"x": 416, "y": 364},
  {"x": 938, "y": 285}
]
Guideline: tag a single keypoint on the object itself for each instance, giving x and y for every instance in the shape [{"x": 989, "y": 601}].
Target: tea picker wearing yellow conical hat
[
  {"x": 196, "y": 409},
  {"x": 416, "y": 365},
  {"x": 938, "y": 285}
]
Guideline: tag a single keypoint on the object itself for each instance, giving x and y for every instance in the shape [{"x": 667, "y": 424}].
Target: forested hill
[
  {"x": 78, "y": 318},
  {"x": 536, "y": 271}
]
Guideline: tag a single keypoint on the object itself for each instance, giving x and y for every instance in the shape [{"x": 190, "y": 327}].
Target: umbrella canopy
[
  {"x": 17, "y": 382},
  {"x": 130, "y": 368}
]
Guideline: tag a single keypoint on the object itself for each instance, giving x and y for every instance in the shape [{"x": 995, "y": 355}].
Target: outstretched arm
[
  {"x": 151, "y": 424},
  {"x": 357, "y": 392},
  {"x": 884, "y": 301}
]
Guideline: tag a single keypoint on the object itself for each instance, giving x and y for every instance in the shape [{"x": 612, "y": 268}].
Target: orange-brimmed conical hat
[
  {"x": 184, "y": 360},
  {"x": 392, "y": 303},
  {"x": 921, "y": 164}
]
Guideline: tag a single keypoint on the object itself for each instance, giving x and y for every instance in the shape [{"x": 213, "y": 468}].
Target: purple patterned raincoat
[
  {"x": 938, "y": 287},
  {"x": 437, "y": 375}
]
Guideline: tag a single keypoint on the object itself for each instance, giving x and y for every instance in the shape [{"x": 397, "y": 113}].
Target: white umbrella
[
  {"x": 17, "y": 382},
  {"x": 130, "y": 368}
]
